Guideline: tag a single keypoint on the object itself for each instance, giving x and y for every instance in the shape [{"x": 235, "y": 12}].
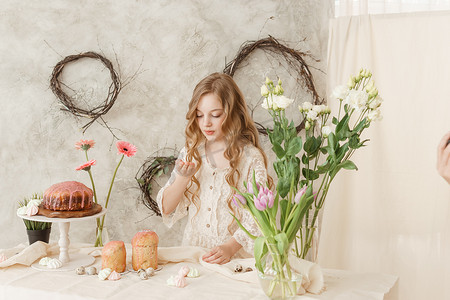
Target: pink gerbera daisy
[
  {"x": 84, "y": 144},
  {"x": 86, "y": 166},
  {"x": 126, "y": 148}
]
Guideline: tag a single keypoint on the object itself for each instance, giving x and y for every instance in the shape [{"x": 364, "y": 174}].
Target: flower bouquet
[
  {"x": 123, "y": 148},
  {"x": 303, "y": 178}
]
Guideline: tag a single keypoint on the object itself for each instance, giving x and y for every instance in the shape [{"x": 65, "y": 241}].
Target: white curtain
[
  {"x": 364, "y": 7},
  {"x": 393, "y": 214}
]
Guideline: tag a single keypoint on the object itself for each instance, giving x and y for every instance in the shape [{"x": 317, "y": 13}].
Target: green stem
[
  {"x": 93, "y": 185},
  {"x": 99, "y": 241}
]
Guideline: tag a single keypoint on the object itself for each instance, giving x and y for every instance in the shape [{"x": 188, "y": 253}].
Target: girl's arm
[{"x": 173, "y": 194}]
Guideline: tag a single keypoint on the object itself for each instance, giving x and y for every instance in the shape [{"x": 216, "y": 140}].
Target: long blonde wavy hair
[{"x": 238, "y": 129}]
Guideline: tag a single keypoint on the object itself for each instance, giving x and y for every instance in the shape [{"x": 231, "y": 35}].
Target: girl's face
[{"x": 210, "y": 117}]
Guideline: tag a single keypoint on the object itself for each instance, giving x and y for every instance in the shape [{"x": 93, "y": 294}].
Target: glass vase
[
  {"x": 308, "y": 239},
  {"x": 102, "y": 236},
  {"x": 278, "y": 280}
]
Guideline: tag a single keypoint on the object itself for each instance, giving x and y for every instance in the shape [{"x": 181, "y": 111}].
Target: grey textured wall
[{"x": 170, "y": 44}]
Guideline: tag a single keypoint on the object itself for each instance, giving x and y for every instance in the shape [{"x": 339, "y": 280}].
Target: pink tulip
[
  {"x": 300, "y": 193},
  {"x": 264, "y": 199},
  {"x": 240, "y": 198},
  {"x": 250, "y": 187}
]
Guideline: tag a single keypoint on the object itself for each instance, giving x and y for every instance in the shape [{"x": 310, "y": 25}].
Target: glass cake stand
[{"x": 74, "y": 260}]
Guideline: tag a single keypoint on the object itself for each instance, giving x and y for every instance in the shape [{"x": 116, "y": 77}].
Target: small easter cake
[
  {"x": 145, "y": 250},
  {"x": 114, "y": 256}
]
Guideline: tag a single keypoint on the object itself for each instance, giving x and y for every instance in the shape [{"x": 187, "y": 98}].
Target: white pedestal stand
[{"x": 69, "y": 262}]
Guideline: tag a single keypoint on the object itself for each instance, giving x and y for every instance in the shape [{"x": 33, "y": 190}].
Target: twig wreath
[
  {"x": 153, "y": 167},
  {"x": 67, "y": 101},
  {"x": 294, "y": 59}
]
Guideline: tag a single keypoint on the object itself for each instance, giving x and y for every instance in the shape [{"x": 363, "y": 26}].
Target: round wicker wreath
[
  {"x": 67, "y": 101},
  {"x": 152, "y": 168},
  {"x": 294, "y": 59}
]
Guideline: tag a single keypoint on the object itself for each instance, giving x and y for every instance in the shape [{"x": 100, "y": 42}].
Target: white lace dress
[{"x": 209, "y": 228}]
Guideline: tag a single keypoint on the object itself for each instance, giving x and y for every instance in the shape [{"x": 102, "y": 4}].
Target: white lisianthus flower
[
  {"x": 264, "y": 90},
  {"x": 356, "y": 99},
  {"x": 320, "y": 109},
  {"x": 311, "y": 116},
  {"x": 282, "y": 102},
  {"x": 317, "y": 109},
  {"x": 267, "y": 103},
  {"x": 340, "y": 92},
  {"x": 376, "y": 102},
  {"x": 307, "y": 106},
  {"x": 326, "y": 130},
  {"x": 375, "y": 115}
]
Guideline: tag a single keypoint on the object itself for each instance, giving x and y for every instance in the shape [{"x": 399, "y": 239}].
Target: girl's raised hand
[{"x": 185, "y": 169}]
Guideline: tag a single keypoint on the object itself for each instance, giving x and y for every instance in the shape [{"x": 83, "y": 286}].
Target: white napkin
[{"x": 23, "y": 254}]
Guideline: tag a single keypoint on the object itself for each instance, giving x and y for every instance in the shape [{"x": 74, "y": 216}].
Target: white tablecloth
[{"x": 22, "y": 282}]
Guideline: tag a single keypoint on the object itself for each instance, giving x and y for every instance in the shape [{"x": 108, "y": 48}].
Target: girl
[{"x": 221, "y": 151}]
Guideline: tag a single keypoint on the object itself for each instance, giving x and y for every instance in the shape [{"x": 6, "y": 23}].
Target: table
[{"x": 21, "y": 282}]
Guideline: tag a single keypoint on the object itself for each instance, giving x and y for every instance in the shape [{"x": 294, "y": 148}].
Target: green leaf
[
  {"x": 334, "y": 121},
  {"x": 283, "y": 186},
  {"x": 361, "y": 144},
  {"x": 341, "y": 151},
  {"x": 260, "y": 249},
  {"x": 295, "y": 145},
  {"x": 323, "y": 168},
  {"x": 282, "y": 242},
  {"x": 353, "y": 142},
  {"x": 279, "y": 151},
  {"x": 360, "y": 126},
  {"x": 309, "y": 144},
  {"x": 342, "y": 122},
  {"x": 159, "y": 173},
  {"x": 348, "y": 165},
  {"x": 166, "y": 169},
  {"x": 277, "y": 135},
  {"x": 154, "y": 163},
  {"x": 305, "y": 159},
  {"x": 310, "y": 174},
  {"x": 243, "y": 228},
  {"x": 283, "y": 206},
  {"x": 140, "y": 181}
]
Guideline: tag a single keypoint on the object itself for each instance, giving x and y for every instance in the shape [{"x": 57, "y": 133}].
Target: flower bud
[
  {"x": 370, "y": 86},
  {"x": 237, "y": 199},
  {"x": 268, "y": 81},
  {"x": 279, "y": 90},
  {"x": 299, "y": 194},
  {"x": 351, "y": 82},
  {"x": 307, "y": 125},
  {"x": 264, "y": 91}
]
